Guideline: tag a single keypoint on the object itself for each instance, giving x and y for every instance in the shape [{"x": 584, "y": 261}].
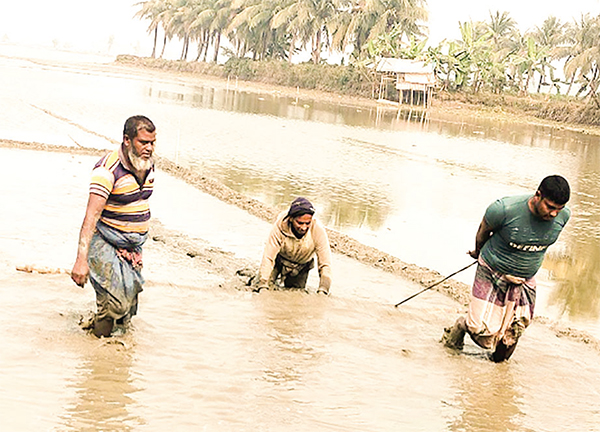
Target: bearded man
[
  {"x": 288, "y": 257},
  {"x": 116, "y": 225},
  {"x": 510, "y": 245}
]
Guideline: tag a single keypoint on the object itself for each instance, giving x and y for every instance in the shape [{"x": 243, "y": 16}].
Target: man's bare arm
[
  {"x": 483, "y": 234},
  {"x": 80, "y": 271}
]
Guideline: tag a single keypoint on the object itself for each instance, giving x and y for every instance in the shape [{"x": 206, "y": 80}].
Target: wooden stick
[
  {"x": 435, "y": 284},
  {"x": 32, "y": 268}
]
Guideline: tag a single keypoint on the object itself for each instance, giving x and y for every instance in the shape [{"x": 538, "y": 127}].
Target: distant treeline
[
  {"x": 491, "y": 56},
  {"x": 277, "y": 29}
]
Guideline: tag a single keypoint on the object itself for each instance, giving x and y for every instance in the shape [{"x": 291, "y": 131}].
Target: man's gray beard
[{"x": 139, "y": 164}]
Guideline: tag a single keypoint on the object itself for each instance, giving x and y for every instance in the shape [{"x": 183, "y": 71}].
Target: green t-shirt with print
[{"x": 520, "y": 239}]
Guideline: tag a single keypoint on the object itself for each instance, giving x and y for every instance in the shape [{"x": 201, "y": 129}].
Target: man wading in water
[
  {"x": 116, "y": 225},
  {"x": 295, "y": 237},
  {"x": 510, "y": 246}
]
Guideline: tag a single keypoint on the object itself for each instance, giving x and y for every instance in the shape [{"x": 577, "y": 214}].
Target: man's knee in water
[
  {"x": 103, "y": 327},
  {"x": 508, "y": 343},
  {"x": 503, "y": 352}
]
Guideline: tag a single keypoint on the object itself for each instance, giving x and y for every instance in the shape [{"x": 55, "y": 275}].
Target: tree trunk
[
  {"x": 542, "y": 78},
  {"x": 199, "y": 50},
  {"x": 182, "y": 50},
  {"x": 526, "y": 87},
  {"x": 476, "y": 82},
  {"x": 217, "y": 46},
  {"x": 316, "y": 49},
  {"x": 593, "y": 94},
  {"x": 154, "y": 44},
  {"x": 164, "y": 45},
  {"x": 570, "y": 84},
  {"x": 292, "y": 48},
  {"x": 206, "y": 37}
]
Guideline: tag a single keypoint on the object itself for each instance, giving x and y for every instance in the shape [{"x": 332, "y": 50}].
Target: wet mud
[
  {"x": 237, "y": 274},
  {"x": 339, "y": 242}
]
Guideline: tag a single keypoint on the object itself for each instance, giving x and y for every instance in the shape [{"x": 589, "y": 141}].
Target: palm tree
[
  {"x": 221, "y": 17},
  {"x": 584, "y": 60},
  {"x": 201, "y": 16},
  {"x": 476, "y": 46},
  {"x": 527, "y": 61},
  {"x": 180, "y": 23},
  {"x": 501, "y": 26},
  {"x": 366, "y": 20},
  {"x": 252, "y": 29},
  {"x": 210, "y": 17},
  {"x": 550, "y": 36},
  {"x": 170, "y": 20},
  {"x": 153, "y": 10},
  {"x": 308, "y": 20}
]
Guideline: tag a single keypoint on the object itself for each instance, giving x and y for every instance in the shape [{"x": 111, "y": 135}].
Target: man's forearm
[
  {"x": 479, "y": 242},
  {"x": 483, "y": 235},
  {"x": 324, "y": 283},
  {"x": 80, "y": 270}
]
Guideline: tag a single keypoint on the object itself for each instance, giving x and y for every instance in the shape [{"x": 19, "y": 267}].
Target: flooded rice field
[{"x": 205, "y": 353}]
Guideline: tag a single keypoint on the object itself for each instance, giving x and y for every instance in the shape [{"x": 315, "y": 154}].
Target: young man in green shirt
[{"x": 510, "y": 245}]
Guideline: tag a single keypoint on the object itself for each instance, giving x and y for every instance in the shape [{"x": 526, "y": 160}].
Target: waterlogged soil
[{"x": 233, "y": 273}]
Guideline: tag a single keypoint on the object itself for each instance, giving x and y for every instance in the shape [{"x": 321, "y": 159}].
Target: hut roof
[
  {"x": 387, "y": 64},
  {"x": 411, "y": 74}
]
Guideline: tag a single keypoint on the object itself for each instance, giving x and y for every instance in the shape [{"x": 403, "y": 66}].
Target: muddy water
[
  {"x": 204, "y": 355},
  {"x": 413, "y": 186}
]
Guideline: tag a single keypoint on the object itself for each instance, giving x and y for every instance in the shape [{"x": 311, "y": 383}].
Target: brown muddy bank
[{"x": 551, "y": 111}]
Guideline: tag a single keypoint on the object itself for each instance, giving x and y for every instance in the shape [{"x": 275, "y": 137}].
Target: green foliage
[
  {"x": 243, "y": 68},
  {"x": 334, "y": 78},
  {"x": 265, "y": 29}
]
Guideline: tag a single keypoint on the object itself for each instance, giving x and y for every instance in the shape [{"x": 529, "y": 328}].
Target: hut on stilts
[{"x": 405, "y": 82}]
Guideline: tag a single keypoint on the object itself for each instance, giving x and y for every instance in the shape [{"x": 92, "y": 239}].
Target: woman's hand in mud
[{"x": 80, "y": 272}]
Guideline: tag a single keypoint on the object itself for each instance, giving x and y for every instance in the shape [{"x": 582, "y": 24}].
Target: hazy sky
[{"x": 100, "y": 25}]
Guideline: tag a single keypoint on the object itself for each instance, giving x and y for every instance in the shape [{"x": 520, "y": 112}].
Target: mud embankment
[
  {"x": 340, "y": 242},
  {"x": 226, "y": 265}
]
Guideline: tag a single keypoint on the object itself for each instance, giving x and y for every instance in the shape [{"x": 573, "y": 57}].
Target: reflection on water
[
  {"x": 104, "y": 392},
  {"x": 488, "y": 400},
  {"x": 577, "y": 292},
  {"x": 291, "y": 355},
  {"x": 277, "y": 105},
  {"x": 356, "y": 205}
]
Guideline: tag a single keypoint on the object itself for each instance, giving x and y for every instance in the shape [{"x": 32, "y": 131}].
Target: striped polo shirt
[{"x": 127, "y": 207}]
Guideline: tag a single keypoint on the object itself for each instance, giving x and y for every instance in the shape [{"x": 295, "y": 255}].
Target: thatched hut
[{"x": 405, "y": 81}]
